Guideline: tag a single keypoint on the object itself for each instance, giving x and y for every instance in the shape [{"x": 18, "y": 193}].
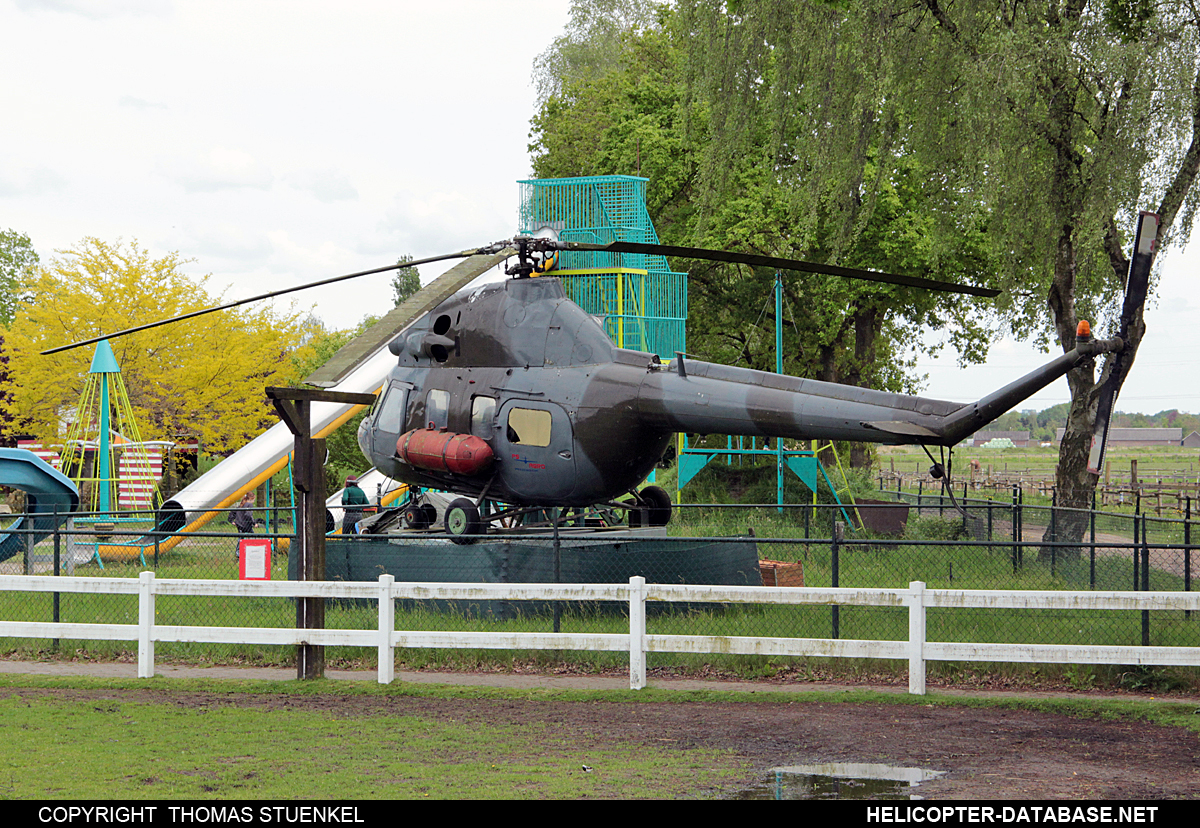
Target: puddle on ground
[{"x": 840, "y": 780}]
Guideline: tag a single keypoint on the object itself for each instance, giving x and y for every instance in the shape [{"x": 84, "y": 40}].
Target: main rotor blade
[
  {"x": 393, "y": 323},
  {"x": 779, "y": 264},
  {"x": 260, "y": 297}
]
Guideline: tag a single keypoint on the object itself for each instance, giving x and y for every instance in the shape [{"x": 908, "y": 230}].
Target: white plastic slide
[
  {"x": 258, "y": 460},
  {"x": 49, "y": 497},
  {"x": 222, "y": 486}
]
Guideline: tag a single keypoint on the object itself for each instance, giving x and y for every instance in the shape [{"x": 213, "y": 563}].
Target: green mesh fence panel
[{"x": 643, "y": 302}]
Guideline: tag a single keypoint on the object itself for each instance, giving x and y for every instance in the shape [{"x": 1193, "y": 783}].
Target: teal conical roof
[{"x": 105, "y": 361}]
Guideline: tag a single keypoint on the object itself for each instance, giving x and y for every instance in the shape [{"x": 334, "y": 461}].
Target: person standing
[
  {"x": 353, "y": 501},
  {"x": 243, "y": 520}
]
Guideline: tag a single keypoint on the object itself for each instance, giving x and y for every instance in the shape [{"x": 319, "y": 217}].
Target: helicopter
[{"x": 511, "y": 393}]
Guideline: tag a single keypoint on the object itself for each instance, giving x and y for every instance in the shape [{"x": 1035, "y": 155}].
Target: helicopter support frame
[{"x": 467, "y": 519}]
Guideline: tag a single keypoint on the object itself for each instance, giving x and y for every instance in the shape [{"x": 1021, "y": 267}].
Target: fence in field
[
  {"x": 995, "y": 546},
  {"x": 637, "y": 641}
]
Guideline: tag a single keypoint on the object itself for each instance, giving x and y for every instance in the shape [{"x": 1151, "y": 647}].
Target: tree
[
  {"x": 18, "y": 261},
  {"x": 406, "y": 282},
  {"x": 204, "y": 378},
  {"x": 318, "y": 345},
  {"x": 590, "y": 47},
  {"x": 7, "y": 430},
  {"x": 659, "y": 109},
  {"x": 1050, "y": 121}
]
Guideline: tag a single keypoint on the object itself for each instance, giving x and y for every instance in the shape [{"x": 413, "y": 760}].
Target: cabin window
[
  {"x": 483, "y": 411},
  {"x": 437, "y": 408},
  {"x": 529, "y": 427}
]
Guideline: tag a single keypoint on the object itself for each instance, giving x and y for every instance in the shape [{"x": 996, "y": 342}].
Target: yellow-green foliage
[{"x": 204, "y": 376}]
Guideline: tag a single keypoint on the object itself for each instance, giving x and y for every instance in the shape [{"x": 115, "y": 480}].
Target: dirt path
[{"x": 986, "y": 753}]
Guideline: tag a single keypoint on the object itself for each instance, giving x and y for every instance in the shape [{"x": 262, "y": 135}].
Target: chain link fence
[{"x": 985, "y": 545}]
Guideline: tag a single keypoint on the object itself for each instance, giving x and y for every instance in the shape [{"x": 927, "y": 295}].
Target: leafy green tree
[
  {"x": 406, "y": 282},
  {"x": 651, "y": 111},
  {"x": 18, "y": 262},
  {"x": 1051, "y": 122},
  {"x": 590, "y": 47}
]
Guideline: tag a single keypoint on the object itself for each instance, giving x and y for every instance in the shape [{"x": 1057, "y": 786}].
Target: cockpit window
[
  {"x": 483, "y": 411},
  {"x": 529, "y": 427},
  {"x": 390, "y": 409},
  {"x": 437, "y": 408}
]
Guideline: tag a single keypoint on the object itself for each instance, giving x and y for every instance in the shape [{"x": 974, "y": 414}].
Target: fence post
[
  {"x": 57, "y": 571},
  {"x": 1020, "y": 526},
  {"x": 637, "y": 632},
  {"x": 146, "y": 625},
  {"x": 835, "y": 575},
  {"x": 27, "y": 542},
  {"x": 1016, "y": 532},
  {"x": 1053, "y": 530},
  {"x": 387, "y": 626},
  {"x": 557, "y": 569},
  {"x": 1092, "y": 539},
  {"x": 964, "y": 507},
  {"x": 1187, "y": 552},
  {"x": 916, "y": 638},
  {"x": 1145, "y": 582},
  {"x": 1137, "y": 554}
]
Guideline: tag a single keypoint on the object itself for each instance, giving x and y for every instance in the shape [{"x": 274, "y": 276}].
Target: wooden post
[
  {"x": 310, "y": 565},
  {"x": 294, "y": 406}
]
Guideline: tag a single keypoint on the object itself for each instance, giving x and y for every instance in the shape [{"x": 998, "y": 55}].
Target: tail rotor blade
[
  {"x": 1137, "y": 284},
  {"x": 1104, "y": 412}
]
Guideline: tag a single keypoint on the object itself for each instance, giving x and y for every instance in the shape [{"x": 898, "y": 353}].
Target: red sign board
[{"x": 254, "y": 559}]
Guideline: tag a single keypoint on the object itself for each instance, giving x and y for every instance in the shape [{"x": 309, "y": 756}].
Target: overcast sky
[
  {"x": 282, "y": 142},
  {"x": 272, "y": 142}
]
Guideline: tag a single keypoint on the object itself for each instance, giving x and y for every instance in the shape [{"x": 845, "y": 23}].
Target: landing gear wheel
[
  {"x": 656, "y": 500},
  {"x": 415, "y": 517},
  {"x": 463, "y": 522},
  {"x": 430, "y": 514}
]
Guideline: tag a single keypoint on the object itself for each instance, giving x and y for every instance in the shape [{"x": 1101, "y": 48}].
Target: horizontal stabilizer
[{"x": 905, "y": 429}]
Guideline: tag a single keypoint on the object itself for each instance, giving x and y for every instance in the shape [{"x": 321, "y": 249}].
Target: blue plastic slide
[{"x": 46, "y": 490}]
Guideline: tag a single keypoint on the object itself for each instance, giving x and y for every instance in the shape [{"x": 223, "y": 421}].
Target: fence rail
[{"x": 917, "y": 650}]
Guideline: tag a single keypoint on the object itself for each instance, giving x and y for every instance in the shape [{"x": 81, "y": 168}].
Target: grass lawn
[
  {"x": 77, "y": 738},
  {"x": 60, "y": 746}
]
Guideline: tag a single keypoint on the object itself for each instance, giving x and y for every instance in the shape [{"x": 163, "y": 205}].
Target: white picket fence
[{"x": 637, "y": 642}]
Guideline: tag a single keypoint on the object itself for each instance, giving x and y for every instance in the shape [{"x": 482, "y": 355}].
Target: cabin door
[{"x": 536, "y": 448}]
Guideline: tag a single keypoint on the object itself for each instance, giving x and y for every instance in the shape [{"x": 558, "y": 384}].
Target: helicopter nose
[{"x": 364, "y": 437}]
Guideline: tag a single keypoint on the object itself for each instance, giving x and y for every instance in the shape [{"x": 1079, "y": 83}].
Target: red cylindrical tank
[{"x": 442, "y": 451}]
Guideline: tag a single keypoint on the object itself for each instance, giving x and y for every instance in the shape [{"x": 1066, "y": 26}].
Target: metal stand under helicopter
[{"x": 466, "y": 520}]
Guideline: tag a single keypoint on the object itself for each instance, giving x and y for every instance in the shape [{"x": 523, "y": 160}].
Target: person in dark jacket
[
  {"x": 353, "y": 501},
  {"x": 243, "y": 520}
]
